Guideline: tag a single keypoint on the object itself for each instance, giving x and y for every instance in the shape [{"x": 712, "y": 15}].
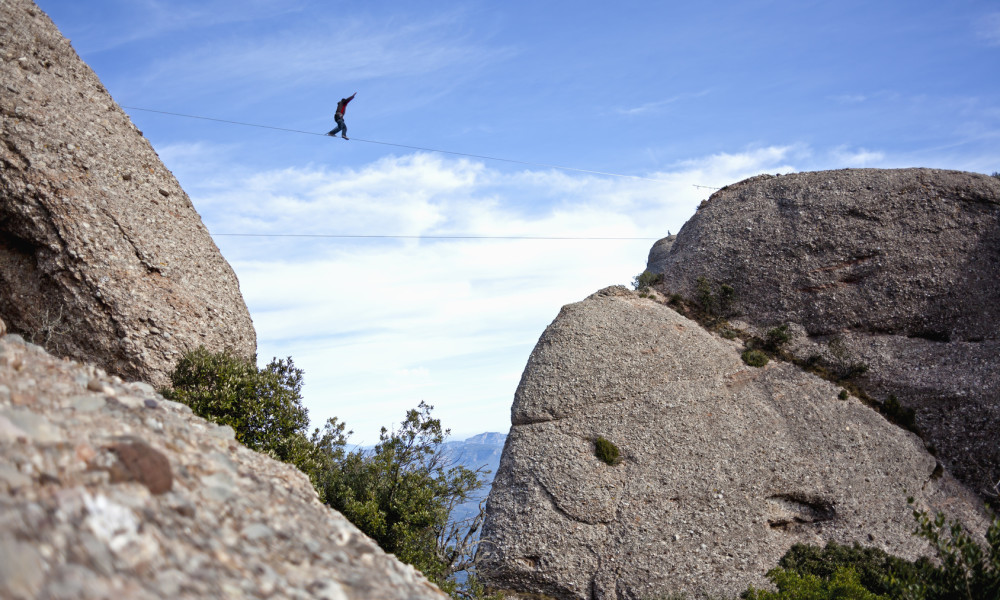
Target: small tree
[
  {"x": 402, "y": 494},
  {"x": 263, "y": 406},
  {"x": 646, "y": 279}
]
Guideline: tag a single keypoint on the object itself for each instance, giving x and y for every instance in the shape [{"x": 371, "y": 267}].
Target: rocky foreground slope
[
  {"x": 724, "y": 466},
  {"x": 894, "y": 270},
  {"x": 102, "y": 255},
  {"x": 108, "y": 491}
]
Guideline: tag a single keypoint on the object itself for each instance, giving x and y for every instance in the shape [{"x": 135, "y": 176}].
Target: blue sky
[{"x": 675, "y": 95}]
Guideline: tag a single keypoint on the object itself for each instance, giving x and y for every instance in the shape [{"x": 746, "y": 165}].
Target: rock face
[
  {"x": 658, "y": 254},
  {"x": 102, "y": 256},
  {"x": 724, "y": 466},
  {"x": 893, "y": 269},
  {"x": 109, "y": 491}
]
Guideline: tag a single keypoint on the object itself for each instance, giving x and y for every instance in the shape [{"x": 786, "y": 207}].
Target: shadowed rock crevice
[{"x": 792, "y": 509}]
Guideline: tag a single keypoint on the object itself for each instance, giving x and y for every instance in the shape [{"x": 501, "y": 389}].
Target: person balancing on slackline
[{"x": 339, "y": 117}]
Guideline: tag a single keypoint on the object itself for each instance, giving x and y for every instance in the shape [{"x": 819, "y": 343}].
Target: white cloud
[
  {"x": 379, "y": 325},
  {"x": 359, "y": 51},
  {"x": 137, "y": 20},
  {"x": 652, "y": 107},
  {"x": 989, "y": 29},
  {"x": 850, "y": 98},
  {"x": 860, "y": 157}
]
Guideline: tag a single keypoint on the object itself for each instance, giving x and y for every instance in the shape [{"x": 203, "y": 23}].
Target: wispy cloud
[
  {"x": 147, "y": 19},
  {"x": 850, "y": 98},
  {"x": 859, "y": 157},
  {"x": 310, "y": 55},
  {"x": 988, "y": 29},
  {"x": 380, "y": 324},
  {"x": 652, "y": 107}
]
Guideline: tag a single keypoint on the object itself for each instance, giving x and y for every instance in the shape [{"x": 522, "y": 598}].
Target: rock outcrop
[
  {"x": 109, "y": 491},
  {"x": 102, "y": 255},
  {"x": 658, "y": 254},
  {"x": 896, "y": 270},
  {"x": 724, "y": 466}
]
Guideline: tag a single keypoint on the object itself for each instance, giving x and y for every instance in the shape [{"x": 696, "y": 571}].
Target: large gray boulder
[
  {"x": 724, "y": 466},
  {"x": 896, "y": 270},
  {"x": 102, "y": 255},
  {"x": 109, "y": 491}
]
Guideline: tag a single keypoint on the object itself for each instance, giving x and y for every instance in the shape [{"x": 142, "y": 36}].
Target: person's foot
[
  {"x": 331, "y": 134},
  {"x": 345, "y": 137}
]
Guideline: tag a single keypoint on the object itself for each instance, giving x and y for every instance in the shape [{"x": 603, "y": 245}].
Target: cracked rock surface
[
  {"x": 103, "y": 257},
  {"x": 724, "y": 466},
  {"x": 109, "y": 491},
  {"x": 896, "y": 270}
]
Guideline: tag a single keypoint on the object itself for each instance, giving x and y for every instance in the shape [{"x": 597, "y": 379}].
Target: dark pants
[{"x": 341, "y": 126}]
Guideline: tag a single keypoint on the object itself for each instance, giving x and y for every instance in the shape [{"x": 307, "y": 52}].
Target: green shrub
[
  {"x": 706, "y": 299},
  {"x": 727, "y": 298},
  {"x": 843, "y": 395},
  {"x": 964, "y": 570},
  {"x": 712, "y": 302},
  {"x": 776, "y": 338},
  {"x": 872, "y": 567},
  {"x": 646, "y": 279},
  {"x": 842, "y": 585},
  {"x": 401, "y": 494},
  {"x": 754, "y": 358},
  {"x": 900, "y": 415},
  {"x": 607, "y": 451},
  {"x": 263, "y": 406}
]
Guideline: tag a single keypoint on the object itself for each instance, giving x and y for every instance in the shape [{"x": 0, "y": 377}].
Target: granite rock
[
  {"x": 724, "y": 466},
  {"x": 146, "y": 500},
  {"x": 103, "y": 257},
  {"x": 895, "y": 270}
]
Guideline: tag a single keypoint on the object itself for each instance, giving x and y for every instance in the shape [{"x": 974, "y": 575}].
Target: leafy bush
[
  {"x": 607, "y": 451},
  {"x": 706, "y": 299},
  {"x": 715, "y": 302},
  {"x": 900, "y": 415},
  {"x": 872, "y": 567},
  {"x": 964, "y": 570},
  {"x": 646, "y": 279},
  {"x": 843, "y": 395},
  {"x": 401, "y": 494},
  {"x": 727, "y": 298},
  {"x": 263, "y": 406},
  {"x": 776, "y": 338},
  {"x": 842, "y": 585},
  {"x": 754, "y": 358}
]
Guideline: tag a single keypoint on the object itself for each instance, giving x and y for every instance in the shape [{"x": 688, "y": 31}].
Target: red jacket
[{"x": 342, "y": 105}]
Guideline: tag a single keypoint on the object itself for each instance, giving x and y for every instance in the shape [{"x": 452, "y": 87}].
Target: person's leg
[{"x": 340, "y": 126}]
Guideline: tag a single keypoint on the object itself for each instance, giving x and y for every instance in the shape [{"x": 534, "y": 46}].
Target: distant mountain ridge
[{"x": 480, "y": 450}]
